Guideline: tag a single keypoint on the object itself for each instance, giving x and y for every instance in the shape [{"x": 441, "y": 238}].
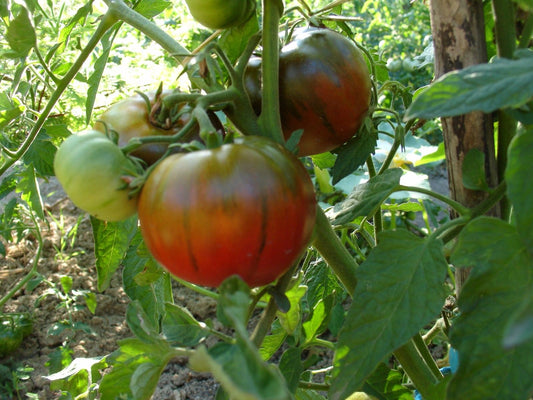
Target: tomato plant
[
  {"x": 246, "y": 208},
  {"x": 91, "y": 169},
  {"x": 133, "y": 117},
  {"x": 324, "y": 89},
  {"x": 220, "y": 14}
]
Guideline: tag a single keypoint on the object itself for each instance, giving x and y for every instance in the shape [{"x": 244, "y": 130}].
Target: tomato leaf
[
  {"x": 291, "y": 366},
  {"x": 273, "y": 341},
  {"x": 20, "y": 34},
  {"x": 28, "y": 187},
  {"x": 483, "y": 87},
  {"x": 234, "y": 40},
  {"x": 474, "y": 171},
  {"x": 500, "y": 281},
  {"x": 387, "y": 384},
  {"x": 290, "y": 320},
  {"x": 519, "y": 188},
  {"x": 145, "y": 281},
  {"x": 366, "y": 198},
  {"x": 111, "y": 240},
  {"x": 41, "y": 155},
  {"x": 181, "y": 328},
  {"x": 233, "y": 302},
  {"x": 132, "y": 356},
  {"x": 400, "y": 289},
  {"x": 354, "y": 153},
  {"x": 96, "y": 76},
  {"x": 151, "y": 8},
  {"x": 241, "y": 371}
]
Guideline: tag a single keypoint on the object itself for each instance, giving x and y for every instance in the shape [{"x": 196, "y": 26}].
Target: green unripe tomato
[
  {"x": 220, "y": 14},
  {"x": 91, "y": 169}
]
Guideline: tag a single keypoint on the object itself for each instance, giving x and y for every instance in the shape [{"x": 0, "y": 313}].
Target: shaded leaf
[
  {"x": 474, "y": 171},
  {"x": 400, "y": 289},
  {"x": 499, "y": 283},
  {"x": 181, "y": 328},
  {"x": 355, "y": 152},
  {"x": 483, "y": 87},
  {"x": 41, "y": 154},
  {"x": 30, "y": 192},
  {"x": 519, "y": 188},
  {"x": 234, "y": 40},
  {"x": 145, "y": 281},
  {"x": 291, "y": 367}
]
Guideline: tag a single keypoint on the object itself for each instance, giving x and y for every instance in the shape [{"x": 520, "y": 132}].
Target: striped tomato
[
  {"x": 324, "y": 89},
  {"x": 246, "y": 208}
]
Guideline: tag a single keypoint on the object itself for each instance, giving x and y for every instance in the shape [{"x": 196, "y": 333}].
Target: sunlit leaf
[
  {"x": 20, "y": 33},
  {"x": 483, "y": 87}
]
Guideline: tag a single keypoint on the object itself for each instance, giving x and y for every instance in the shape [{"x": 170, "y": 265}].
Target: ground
[{"x": 59, "y": 258}]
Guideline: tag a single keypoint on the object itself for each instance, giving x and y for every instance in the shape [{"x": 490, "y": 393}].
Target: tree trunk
[{"x": 458, "y": 30}]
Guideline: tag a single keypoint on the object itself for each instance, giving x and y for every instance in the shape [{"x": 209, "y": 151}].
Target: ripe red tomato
[
  {"x": 324, "y": 89},
  {"x": 246, "y": 208},
  {"x": 130, "y": 118},
  {"x": 90, "y": 167}
]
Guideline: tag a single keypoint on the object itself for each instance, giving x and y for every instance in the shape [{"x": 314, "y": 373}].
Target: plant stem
[
  {"x": 504, "y": 24},
  {"x": 269, "y": 313},
  {"x": 417, "y": 369},
  {"x": 461, "y": 210},
  {"x": 418, "y": 341},
  {"x": 482, "y": 208},
  {"x": 330, "y": 247},
  {"x": 269, "y": 120},
  {"x": 122, "y": 12},
  {"x": 106, "y": 23}
]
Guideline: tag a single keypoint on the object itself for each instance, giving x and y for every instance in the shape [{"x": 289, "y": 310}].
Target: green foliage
[
  {"x": 484, "y": 87},
  {"x": 401, "y": 274},
  {"x": 64, "y": 62}
]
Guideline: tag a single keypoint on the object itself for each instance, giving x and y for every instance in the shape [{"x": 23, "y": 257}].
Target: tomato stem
[{"x": 269, "y": 120}]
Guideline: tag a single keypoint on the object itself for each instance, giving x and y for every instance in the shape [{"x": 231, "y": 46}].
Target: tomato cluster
[
  {"x": 246, "y": 207},
  {"x": 324, "y": 89}
]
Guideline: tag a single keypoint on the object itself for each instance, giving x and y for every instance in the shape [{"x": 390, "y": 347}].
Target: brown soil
[{"x": 60, "y": 258}]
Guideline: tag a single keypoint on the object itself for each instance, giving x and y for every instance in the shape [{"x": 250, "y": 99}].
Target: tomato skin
[
  {"x": 246, "y": 208},
  {"x": 324, "y": 89},
  {"x": 90, "y": 167},
  {"x": 130, "y": 119},
  {"x": 220, "y": 14}
]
